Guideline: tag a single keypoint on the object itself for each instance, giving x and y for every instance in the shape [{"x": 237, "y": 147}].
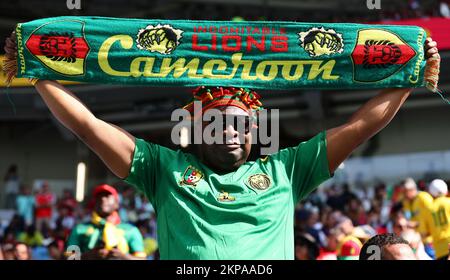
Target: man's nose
[{"x": 231, "y": 135}]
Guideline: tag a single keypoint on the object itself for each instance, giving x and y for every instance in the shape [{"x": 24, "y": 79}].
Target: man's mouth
[
  {"x": 233, "y": 145},
  {"x": 230, "y": 147}
]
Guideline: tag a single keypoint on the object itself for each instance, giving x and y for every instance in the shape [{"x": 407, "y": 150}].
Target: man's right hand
[{"x": 112, "y": 144}]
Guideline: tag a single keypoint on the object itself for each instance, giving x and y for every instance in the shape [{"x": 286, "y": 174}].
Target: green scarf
[{"x": 271, "y": 55}]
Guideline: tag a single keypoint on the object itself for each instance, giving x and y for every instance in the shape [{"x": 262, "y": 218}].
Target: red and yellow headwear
[{"x": 213, "y": 97}]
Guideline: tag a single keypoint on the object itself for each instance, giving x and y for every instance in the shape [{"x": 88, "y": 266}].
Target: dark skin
[
  {"x": 115, "y": 146},
  {"x": 105, "y": 205},
  {"x": 227, "y": 157}
]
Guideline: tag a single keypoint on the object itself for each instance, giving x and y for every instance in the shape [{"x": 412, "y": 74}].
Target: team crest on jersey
[
  {"x": 191, "y": 176},
  {"x": 259, "y": 181}
]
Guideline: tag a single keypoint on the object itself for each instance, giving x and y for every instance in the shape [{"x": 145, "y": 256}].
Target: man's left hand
[{"x": 432, "y": 68}]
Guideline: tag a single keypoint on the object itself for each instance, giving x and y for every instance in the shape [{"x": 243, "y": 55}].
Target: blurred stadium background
[{"x": 416, "y": 143}]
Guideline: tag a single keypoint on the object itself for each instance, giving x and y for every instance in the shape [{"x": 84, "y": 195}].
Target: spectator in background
[
  {"x": 349, "y": 245},
  {"x": 66, "y": 220},
  {"x": 380, "y": 202},
  {"x": 415, "y": 241},
  {"x": 105, "y": 236},
  {"x": 330, "y": 219},
  {"x": 349, "y": 249},
  {"x": 415, "y": 204},
  {"x": 374, "y": 219},
  {"x": 44, "y": 202},
  {"x": 8, "y": 237},
  {"x": 128, "y": 209},
  {"x": 444, "y": 9},
  {"x": 396, "y": 194},
  {"x": 15, "y": 227},
  {"x": 399, "y": 224},
  {"x": 8, "y": 251},
  {"x": 11, "y": 185},
  {"x": 56, "y": 250},
  {"x": 334, "y": 198},
  {"x": 31, "y": 237},
  {"x": 329, "y": 251},
  {"x": 68, "y": 201},
  {"x": 306, "y": 247},
  {"x": 422, "y": 185},
  {"x": 145, "y": 209},
  {"x": 150, "y": 242},
  {"x": 22, "y": 252},
  {"x": 346, "y": 195},
  {"x": 314, "y": 226},
  {"x": 387, "y": 247},
  {"x": 438, "y": 218},
  {"x": 25, "y": 205},
  {"x": 355, "y": 211}
]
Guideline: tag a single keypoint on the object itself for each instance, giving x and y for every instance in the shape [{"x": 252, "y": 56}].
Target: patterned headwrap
[{"x": 213, "y": 97}]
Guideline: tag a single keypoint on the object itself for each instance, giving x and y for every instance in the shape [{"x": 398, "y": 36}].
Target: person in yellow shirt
[
  {"x": 415, "y": 203},
  {"x": 438, "y": 218}
]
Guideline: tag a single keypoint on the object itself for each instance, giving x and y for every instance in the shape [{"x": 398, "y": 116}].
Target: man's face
[
  {"x": 398, "y": 252},
  {"x": 400, "y": 225},
  {"x": 346, "y": 227},
  {"x": 234, "y": 152},
  {"x": 410, "y": 194},
  {"x": 106, "y": 204},
  {"x": 21, "y": 252}
]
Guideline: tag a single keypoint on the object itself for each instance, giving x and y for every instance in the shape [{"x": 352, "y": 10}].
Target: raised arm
[
  {"x": 111, "y": 143},
  {"x": 368, "y": 120}
]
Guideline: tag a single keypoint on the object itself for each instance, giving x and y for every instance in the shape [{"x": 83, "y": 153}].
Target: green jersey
[{"x": 244, "y": 214}]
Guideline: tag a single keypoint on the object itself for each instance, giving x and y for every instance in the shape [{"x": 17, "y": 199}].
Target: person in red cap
[
  {"x": 105, "y": 237},
  {"x": 214, "y": 203}
]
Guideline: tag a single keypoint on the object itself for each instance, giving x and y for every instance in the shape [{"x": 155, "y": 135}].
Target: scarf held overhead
[{"x": 271, "y": 55}]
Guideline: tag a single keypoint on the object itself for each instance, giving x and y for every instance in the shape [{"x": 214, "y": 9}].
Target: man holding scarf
[{"x": 215, "y": 204}]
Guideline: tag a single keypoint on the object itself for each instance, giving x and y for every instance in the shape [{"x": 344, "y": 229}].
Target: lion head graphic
[
  {"x": 380, "y": 54},
  {"x": 163, "y": 39},
  {"x": 318, "y": 41}
]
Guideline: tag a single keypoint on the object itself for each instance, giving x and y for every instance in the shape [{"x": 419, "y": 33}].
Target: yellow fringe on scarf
[{"x": 112, "y": 236}]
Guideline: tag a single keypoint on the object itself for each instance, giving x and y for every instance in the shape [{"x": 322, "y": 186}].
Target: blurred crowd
[
  {"x": 333, "y": 224},
  {"x": 42, "y": 223}
]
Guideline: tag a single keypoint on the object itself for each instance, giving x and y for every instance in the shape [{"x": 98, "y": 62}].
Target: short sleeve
[
  {"x": 143, "y": 168},
  {"x": 306, "y": 165},
  {"x": 135, "y": 241}
]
